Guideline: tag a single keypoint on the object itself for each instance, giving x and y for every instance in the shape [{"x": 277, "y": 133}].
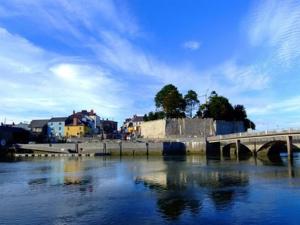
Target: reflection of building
[
  {"x": 70, "y": 173},
  {"x": 56, "y": 127}
]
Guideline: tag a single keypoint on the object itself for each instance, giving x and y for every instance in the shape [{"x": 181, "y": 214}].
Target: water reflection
[
  {"x": 68, "y": 172},
  {"x": 179, "y": 189},
  {"x": 184, "y": 190}
]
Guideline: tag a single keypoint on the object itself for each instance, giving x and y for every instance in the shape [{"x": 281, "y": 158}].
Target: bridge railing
[{"x": 254, "y": 134}]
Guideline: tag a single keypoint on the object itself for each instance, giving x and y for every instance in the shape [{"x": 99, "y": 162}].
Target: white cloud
[
  {"x": 191, "y": 45},
  {"x": 249, "y": 77},
  {"x": 119, "y": 53},
  {"x": 117, "y": 78},
  {"x": 276, "y": 24},
  {"x": 283, "y": 106},
  {"x": 36, "y": 83}
]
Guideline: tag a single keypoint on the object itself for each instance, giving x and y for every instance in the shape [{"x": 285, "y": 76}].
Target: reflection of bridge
[{"x": 257, "y": 142}]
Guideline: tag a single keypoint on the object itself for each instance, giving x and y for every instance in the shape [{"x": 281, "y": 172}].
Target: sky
[{"x": 114, "y": 56}]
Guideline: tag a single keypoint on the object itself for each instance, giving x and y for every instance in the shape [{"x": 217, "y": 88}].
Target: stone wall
[
  {"x": 154, "y": 129},
  {"x": 189, "y": 127},
  {"x": 175, "y": 128},
  {"x": 228, "y": 127}
]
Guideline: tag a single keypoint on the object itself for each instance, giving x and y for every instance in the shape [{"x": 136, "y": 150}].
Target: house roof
[
  {"x": 58, "y": 119},
  {"x": 138, "y": 119},
  {"x": 38, "y": 123}
]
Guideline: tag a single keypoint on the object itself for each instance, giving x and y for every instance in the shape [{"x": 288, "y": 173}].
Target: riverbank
[{"x": 144, "y": 147}]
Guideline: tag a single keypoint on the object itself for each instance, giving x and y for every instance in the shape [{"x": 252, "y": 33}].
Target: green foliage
[
  {"x": 249, "y": 124},
  {"x": 191, "y": 101},
  {"x": 154, "y": 116},
  {"x": 172, "y": 105},
  {"x": 170, "y": 100},
  {"x": 219, "y": 108},
  {"x": 239, "y": 112}
]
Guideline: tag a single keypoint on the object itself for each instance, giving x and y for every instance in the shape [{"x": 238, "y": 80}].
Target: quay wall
[
  {"x": 122, "y": 148},
  {"x": 189, "y": 128}
]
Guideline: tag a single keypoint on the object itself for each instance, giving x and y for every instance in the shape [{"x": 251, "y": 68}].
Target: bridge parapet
[{"x": 263, "y": 134}]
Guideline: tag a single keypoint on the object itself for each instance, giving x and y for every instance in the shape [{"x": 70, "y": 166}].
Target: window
[
  {"x": 59, "y": 128},
  {"x": 80, "y": 128},
  {"x": 59, "y": 123}
]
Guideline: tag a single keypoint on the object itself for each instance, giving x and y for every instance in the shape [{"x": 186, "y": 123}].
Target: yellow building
[{"x": 76, "y": 130}]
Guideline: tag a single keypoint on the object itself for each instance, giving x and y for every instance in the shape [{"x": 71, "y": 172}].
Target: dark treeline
[{"x": 170, "y": 103}]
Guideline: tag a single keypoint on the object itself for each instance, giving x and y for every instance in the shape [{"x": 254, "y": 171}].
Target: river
[{"x": 154, "y": 190}]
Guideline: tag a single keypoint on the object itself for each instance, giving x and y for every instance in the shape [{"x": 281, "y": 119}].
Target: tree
[
  {"x": 145, "y": 118},
  {"x": 170, "y": 100},
  {"x": 218, "y": 108},
  {"x": 154, "y": 116},
  {"x": 191, "y": 101},
  {"x": 249, "y": 124},
  {"x": 239, "y": 112}
]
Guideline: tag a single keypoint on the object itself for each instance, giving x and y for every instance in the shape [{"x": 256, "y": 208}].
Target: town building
[
  {"x": 96, "y": 122},
  {"x": 39, "y": 127},
  {"x": 23, "y": 125},
  {"x": 108, "y": 128},
  {"x": 133, "y": 125},
  {"x": 39, "y": 130},
  {"x": 78, "y": 124},
  {"x": 56, "y": 127}
]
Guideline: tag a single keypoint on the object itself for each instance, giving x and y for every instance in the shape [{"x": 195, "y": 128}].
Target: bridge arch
[
  {"x": 274, "y": 148},
  {"x": 230, "y": 150}
]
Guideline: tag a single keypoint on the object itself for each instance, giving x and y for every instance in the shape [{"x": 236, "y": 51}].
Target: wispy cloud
[
  {"x": 39, "y": 83},
  {"x": 246, "y": 77},
  {"x": 276, "y": 24},
  {"x": 283, "y": 106},
  {"x": 108, "y": 67},
  {"x": 191, "y": 45}
]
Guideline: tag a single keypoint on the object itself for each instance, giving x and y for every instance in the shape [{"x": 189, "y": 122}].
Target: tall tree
[
  {"x": 239, "y": 112},
  {"x": 170, "y": 100},
  {"x": 219, "y": 108},
  {"x": 191, "y": 101},
  {"x": 154, "y": 116}
]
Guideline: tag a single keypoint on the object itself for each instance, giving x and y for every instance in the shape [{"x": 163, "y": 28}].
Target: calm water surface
[{"x": 157, "y": 190}]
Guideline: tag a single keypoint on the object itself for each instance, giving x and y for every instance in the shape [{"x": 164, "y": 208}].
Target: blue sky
[{"x": 113, "y": 56}]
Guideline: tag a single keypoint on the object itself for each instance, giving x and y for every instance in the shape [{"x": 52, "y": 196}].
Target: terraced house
[
  {"x": 56, "y": 127},
  {"x": 78, "y": 125}
]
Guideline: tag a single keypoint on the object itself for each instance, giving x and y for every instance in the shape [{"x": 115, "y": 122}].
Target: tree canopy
[
  {"x": 170, "y": 103},
  {"x": 219, "y": 108},
  {"x": 170, "y": 100},
  {"x": 191, "y": 101}
]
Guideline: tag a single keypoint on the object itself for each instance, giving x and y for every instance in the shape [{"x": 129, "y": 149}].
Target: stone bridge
[{"x": 256, "y": 143}]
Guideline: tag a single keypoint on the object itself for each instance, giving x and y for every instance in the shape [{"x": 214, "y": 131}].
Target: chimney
[
  {"x": 73, "y": 112},
  {"x": 92, "y": 111},
  {"x": 75, "y": 121}
]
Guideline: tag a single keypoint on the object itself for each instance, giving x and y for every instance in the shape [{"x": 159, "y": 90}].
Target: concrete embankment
[{"x": 147, "y": 147}]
